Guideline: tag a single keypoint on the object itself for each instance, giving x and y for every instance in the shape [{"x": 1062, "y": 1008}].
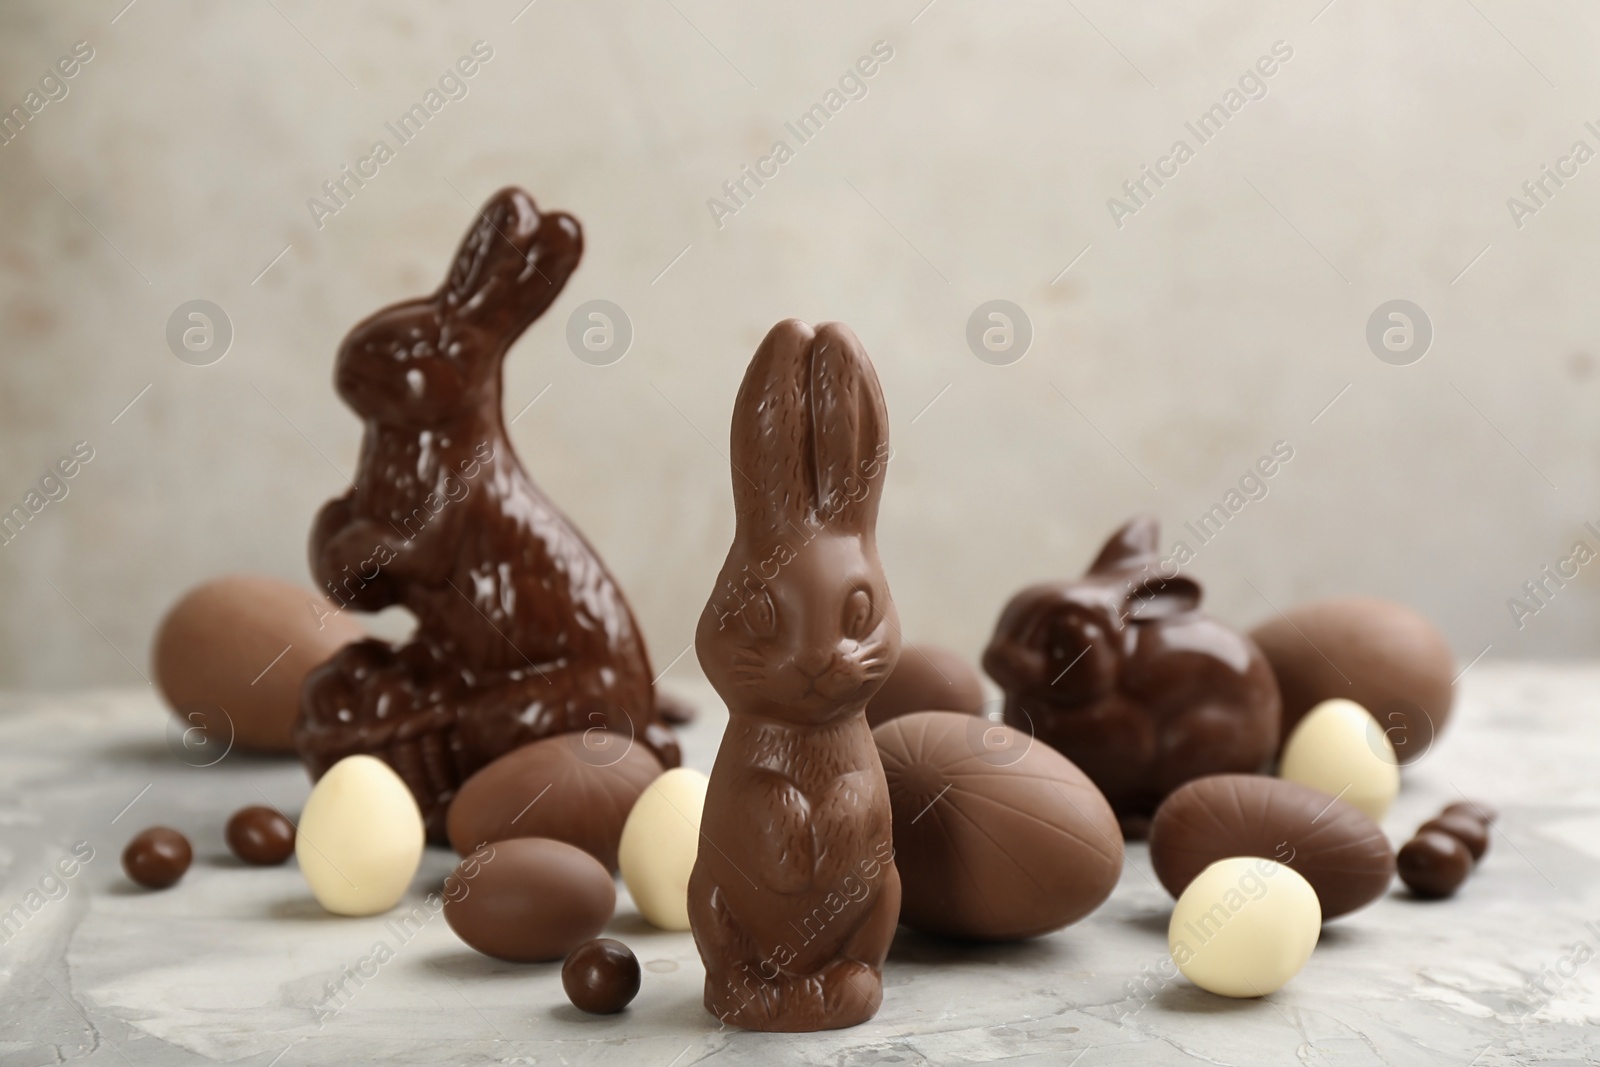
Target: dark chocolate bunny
[
  {"x": 521, "y": 632},
  {"x": 1121, "y": 673},
  {"x": 794, "y": 896}
]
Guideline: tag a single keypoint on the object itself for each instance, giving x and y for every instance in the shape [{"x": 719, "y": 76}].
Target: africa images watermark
[
  {"x": 854, "y": 888},
  {"x": 453, "y": 85},
  {"x": 852, "y": 85},
  {"x": 53, "y": 887},
  {"x": 753, "y": 584},
  {"x": 52, "y": 488},
  {"x": 1538, "y": 191},
  {"x": 52, "y": 88},
  {"x": 340, "y": 991},
  {"x": 1541, "y": 589},
  {"x": 1252, "y": 85},
  {"x": 409, "y": 528}
]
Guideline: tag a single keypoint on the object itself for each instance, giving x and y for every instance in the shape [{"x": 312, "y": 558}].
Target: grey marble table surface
[{"x": 234, "y": 965}]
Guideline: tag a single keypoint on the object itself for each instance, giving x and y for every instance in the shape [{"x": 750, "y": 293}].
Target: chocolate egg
[
  {"x": 659, "y": 844},
  {"x": 230, "y": 657},
  {"x": 927, "y": 678},
  {"x": 1244, "y": 926},
  {"x": 1340, "y": 749},
  {"x": 997, "y": 836},
  {"x": 1332, "y": 844},
  {"x": 360, "y": 837},
  {"x": 1382, "y": 655},
  {"x": 576, "y": 787},
  {"x": 528, "y": 899}
]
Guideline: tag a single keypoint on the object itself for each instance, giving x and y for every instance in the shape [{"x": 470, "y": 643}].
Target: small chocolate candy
[
  {"x": 927, "y": 678},
  {"x": 1334, "y": 845},
  {"x": 260, "y": 836},
  {"x": 1434, "y": 864},
  {"x": 601, "y": 976},
  {"x": 157, "y": 857},
  {"x": 1468, "y": 829},
  {"x": 528, "y": 899},
  {"x": 1476, "y": 808}
]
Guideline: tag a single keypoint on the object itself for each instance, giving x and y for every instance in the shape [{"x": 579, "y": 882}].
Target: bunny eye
[
  {"x": 759, "y": 614},
  {"x": 857, "y": 614}
]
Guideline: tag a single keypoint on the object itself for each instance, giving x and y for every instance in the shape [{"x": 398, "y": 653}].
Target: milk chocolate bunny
[
  {"x": 794, "y": 896},
  {"x": 521, "y": 632},
  {"x": 1121, "y": 673}
]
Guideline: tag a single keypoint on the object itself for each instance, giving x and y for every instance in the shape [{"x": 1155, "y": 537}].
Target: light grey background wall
[{"x": 1225, "y": 313}]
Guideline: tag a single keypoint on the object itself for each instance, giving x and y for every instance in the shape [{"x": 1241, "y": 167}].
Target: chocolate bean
[
  {"x": 1476, "y": 808},
  {"x": 1332, "y": 844},
  {"x": 157, "y": 857},
  {"x": 1464, "y": 827},
  {"x": 260, "y": 836},
  {"x": 1434, "y": 864},
  {"x": 601, "y": 976}
]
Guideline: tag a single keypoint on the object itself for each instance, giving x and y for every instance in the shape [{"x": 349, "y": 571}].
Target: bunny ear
[
  {"x": 810, "y": 433},
  {"x": 1130, "y": 548},
  {"x": 511, "y": 265}
]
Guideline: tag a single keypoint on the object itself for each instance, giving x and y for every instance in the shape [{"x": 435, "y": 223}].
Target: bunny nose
[{"x": 813, "y": 662}]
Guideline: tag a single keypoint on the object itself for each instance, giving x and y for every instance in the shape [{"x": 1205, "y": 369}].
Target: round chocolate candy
[
  {"x": 601, "y": 976},
  {"x": 1468, "y": 829},
  {"x": 1334, "y": 845},
  {"x": 1434, "y": 864},
  {"x": 260, "y": 836},
  {"x": 528, "y": 899},
  {"x": 1476, "y": 808},
  {"x": 157, "y": 857}
]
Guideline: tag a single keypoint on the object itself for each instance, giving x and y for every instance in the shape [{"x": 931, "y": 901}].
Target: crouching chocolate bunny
[
  {"x": 1121, "y": 673},
  {"x": 521, "y": 632},
  {"x": 794, "y": 896}
]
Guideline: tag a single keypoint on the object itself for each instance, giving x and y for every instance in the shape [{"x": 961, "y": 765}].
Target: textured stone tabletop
[{"x": 234, "y": 965}]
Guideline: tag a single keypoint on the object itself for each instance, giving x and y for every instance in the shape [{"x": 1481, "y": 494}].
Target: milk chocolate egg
[
  {"x": 927, "y": 678},
  {"x": 528, "y": 899},
  {"x": 230, "y": 657},
  {"x": 1333, "y": 845},
  {"x": 997, "y": 836},
  {"x": 1244, "y": 927},
  {"x": 660, "y": 841},
  {"x": 1341, "y": 750},
  {"x": 576, "y": 787},
  {"x": 1382, "y": 655},
  {"x": 360, "y": 837}
]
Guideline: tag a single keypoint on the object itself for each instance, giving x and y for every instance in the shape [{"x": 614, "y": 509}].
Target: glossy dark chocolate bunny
[
  {"x": 521, "y": 632},
  {"x": 1121, "y": 673},
  {"x": 794, "y": 896}
]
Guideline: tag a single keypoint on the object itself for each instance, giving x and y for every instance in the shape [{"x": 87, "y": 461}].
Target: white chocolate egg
[
  {"x": 659, "y": 843},
  {"x": 1340, "y": 749},
  {"x": 360, "y": 837},
  {"x": 1244, "y": 927}
]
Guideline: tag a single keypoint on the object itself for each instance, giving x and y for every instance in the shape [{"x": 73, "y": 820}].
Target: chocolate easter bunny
[
  {"x": 794, "y": 896},
  {"x": 1121, "y": 673},
  {"x": 521, "y": 632}
]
